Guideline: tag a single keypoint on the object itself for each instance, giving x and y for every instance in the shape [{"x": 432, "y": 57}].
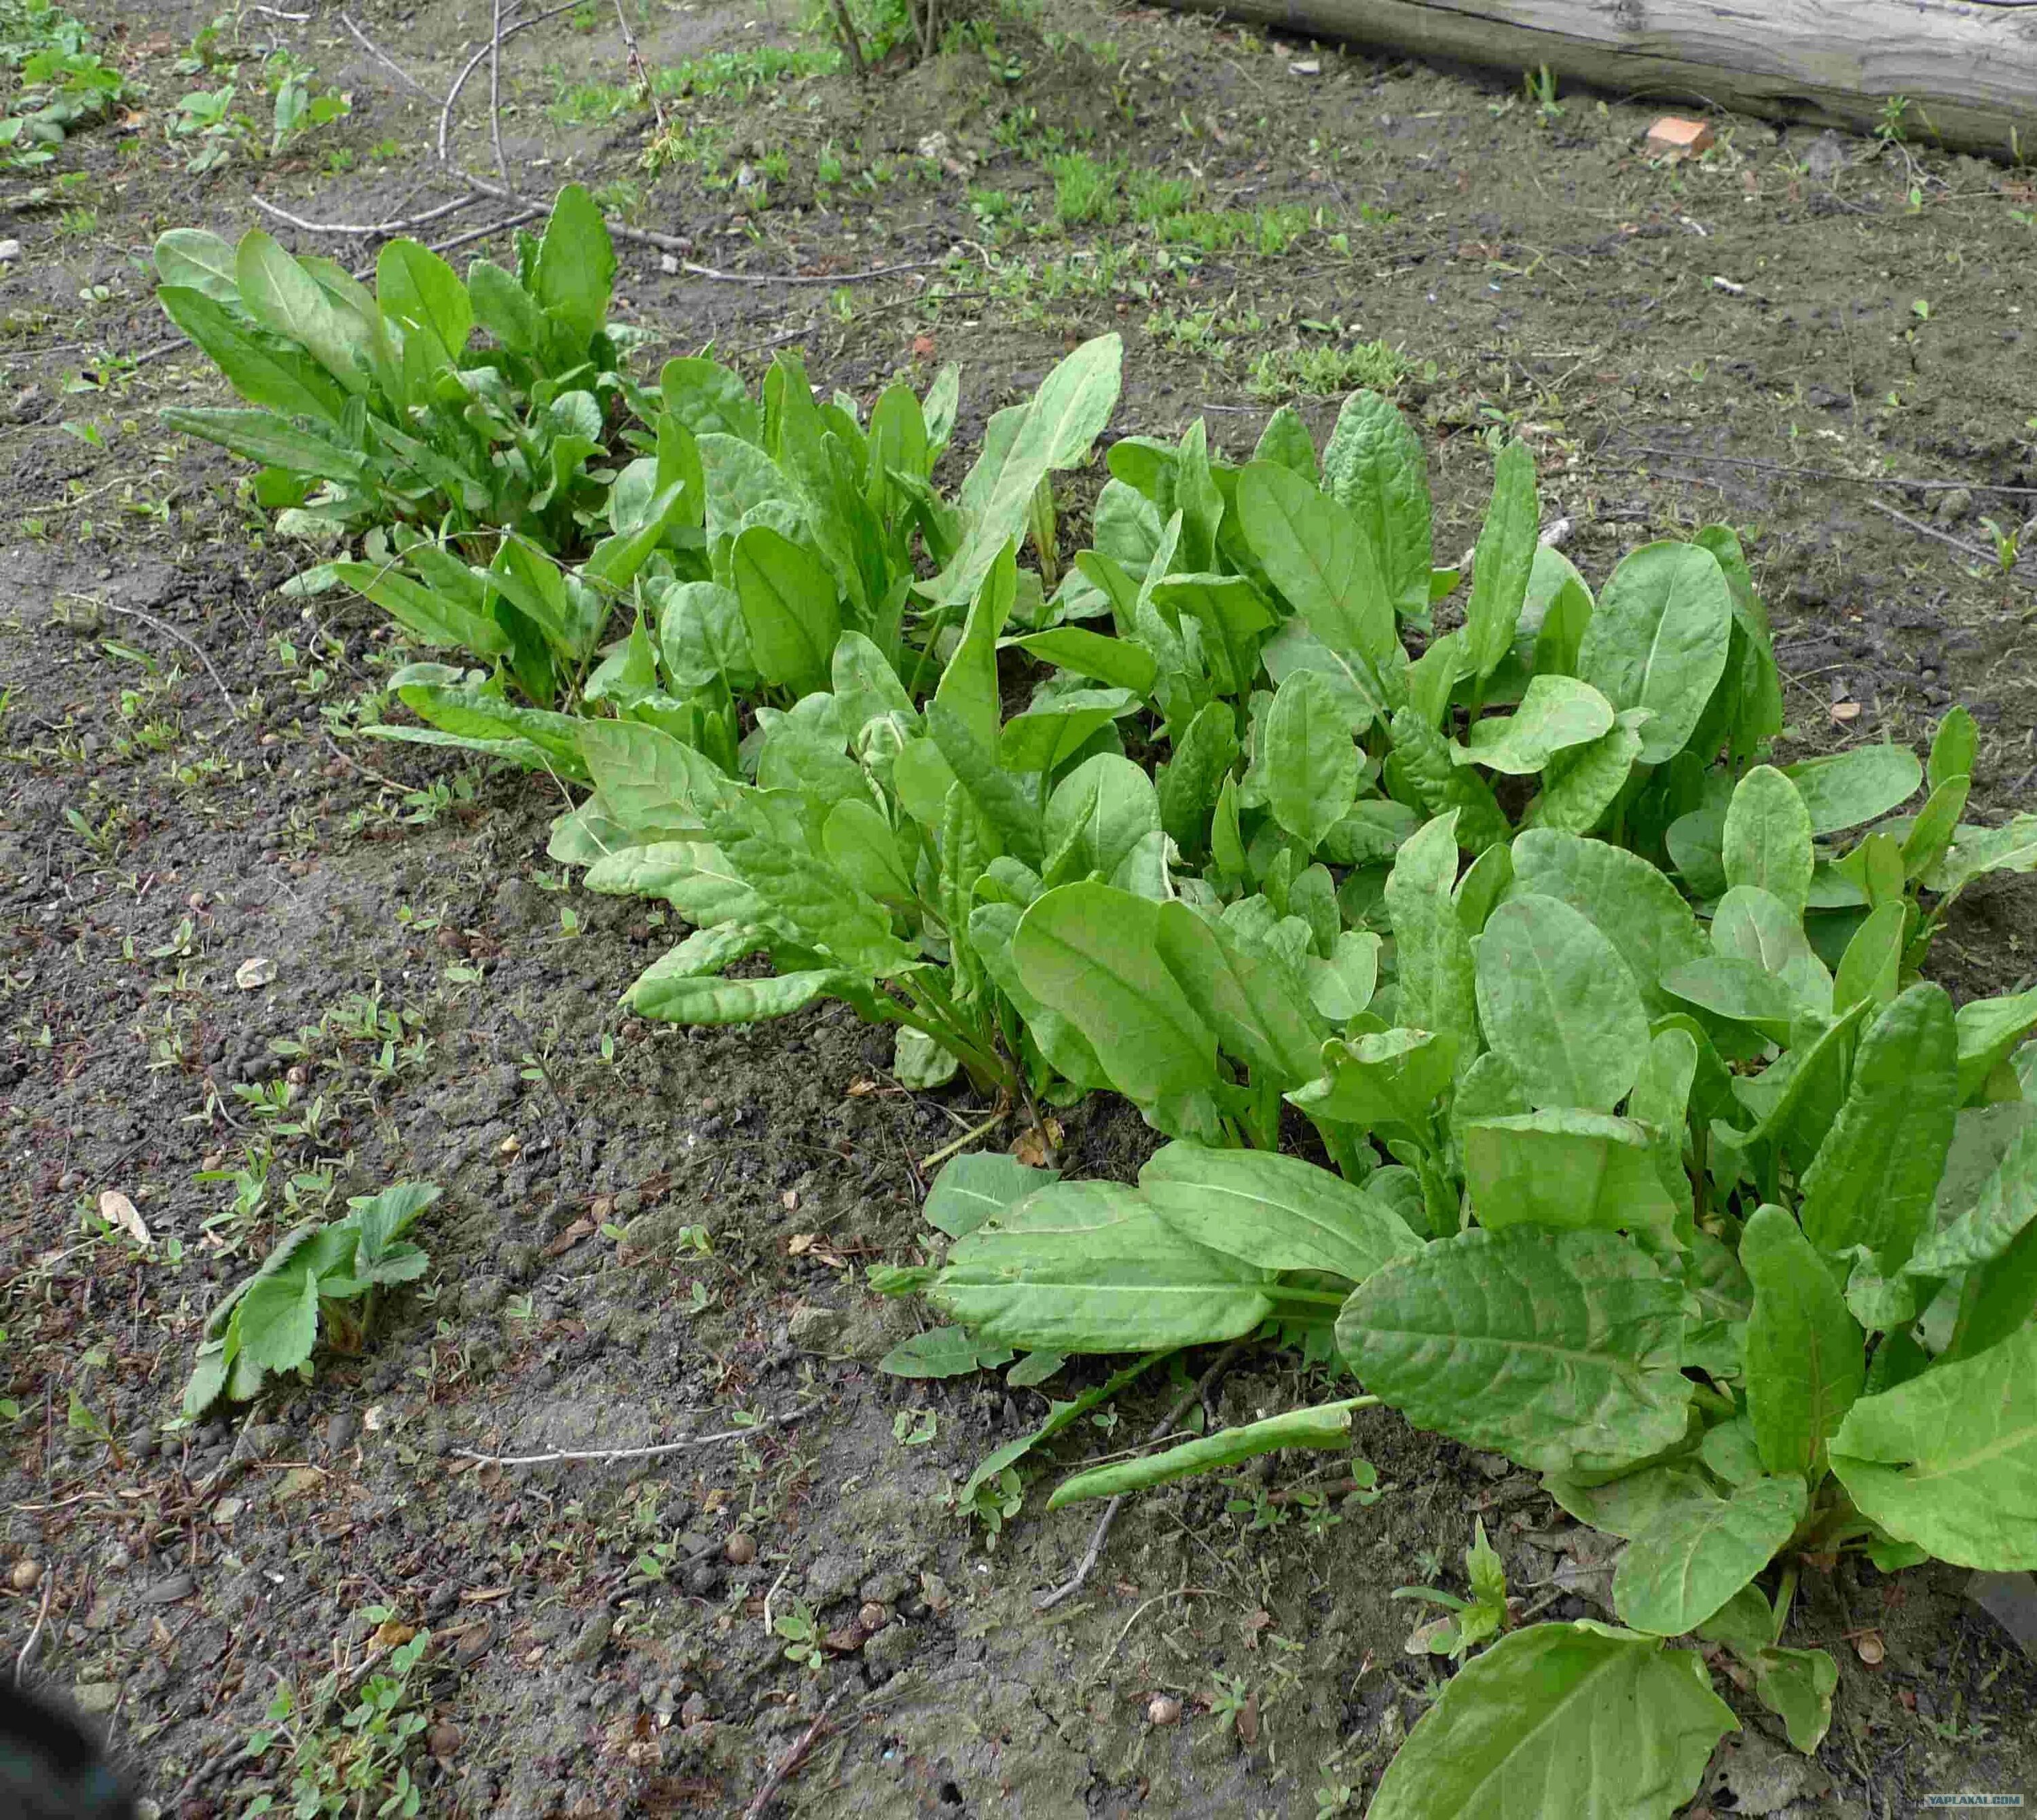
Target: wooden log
[{"x": 1965, "y": 68}]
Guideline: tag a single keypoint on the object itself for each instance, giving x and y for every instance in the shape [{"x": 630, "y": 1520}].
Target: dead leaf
[
  {"x": 581, "y": 1227},
  {"x": 923, "y": 348},
  {"x": 253, "y": 972},
  {"x": 1030, "y": 1148},
  {"x": 860, "y": 1089},
  {"x": 116, "y": 1210},
  {"x": 1248, "y": 1720},
  {"x": 814, "y": 1246},
  {"x": 297, "y": 1482},
  {"x": 390, "y": 1632}
]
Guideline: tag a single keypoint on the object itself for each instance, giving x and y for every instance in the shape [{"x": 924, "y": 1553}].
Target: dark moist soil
[{"x": 1754, "y": 338}]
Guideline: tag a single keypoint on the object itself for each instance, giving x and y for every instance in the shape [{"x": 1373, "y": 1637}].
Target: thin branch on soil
[
  {"x": 481, "y": 57},
  {"x": 187, "y": 642},
  {"x": 402, "y": 224},
  {"x": 1923, "y": 530},
  {"x": 787, "y": 1765},
  {"x": 515, "y": 218},
  {"x": 615, "y": 1453},
  {"x": 636, "y": 66},
  {"x": 1796, "y": 472},
  {"x": 348, "y": 760},
  {"x": 1103, "y": 1661},
  {"x": 388, "y": 61},
  {"x": 36, "y": 1635},
  {"x": 672, "y": 244},
  {"x": 495, "y": 94},
  {"x": 1068, "y": 1588},
  {"x": 968, "y": 1138}
]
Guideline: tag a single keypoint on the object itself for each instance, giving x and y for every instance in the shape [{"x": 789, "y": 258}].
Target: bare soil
[{"x": 1808, "y": 338}]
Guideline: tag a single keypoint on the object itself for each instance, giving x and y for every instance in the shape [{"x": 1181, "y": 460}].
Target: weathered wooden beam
[{"x": 1966, "y": 69}]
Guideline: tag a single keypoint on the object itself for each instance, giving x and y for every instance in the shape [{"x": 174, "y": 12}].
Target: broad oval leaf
[
  {"x": 417, "y": 287},
  {"x": 1634, "y": 906},
  {"x": 790, "y": 607},
  {"x": 194, "y": 257},
  {"x": 1117, "y": 661},
  {"x": 1053, "y": 429},
  {"x": 1582, "y": 782},
  {"x": 1089, "y": 1268},
  {"x": 1560, "y": 1350},
  {"x": 2005, "y": 1208},
  {"x": 1949, "y": 1460},
  {"x": 1311, "y": 760},
  {"x": 974, "y": 1186},
  {"x": 1373, "y": 466},
  {"x": 1696, "y": 1553},
  {"x": 694, "y": 876},
  {"x": 280, "y": 380},
  {"x": 1750, "y": 923},
  {"x": 1314, "y": 552},
  {"x": 1804, "y": 1353},
  {"x": 1658, "y": 640},
  {"x": 576, "y": 266},
  {"x": 697, "y": 999},
  {"x": 1876, "y": 1176},
  {"x": 1558, "y": 1005},
  {"x": 1767, "y": 839},
  {"x": 1381, "y": 1077},
  {"x": 1438, "y": 984},
  {"x": 942, "y": 1352},
  {"x": 1097, "y": 814},
  {"x": 1276, "y": 1212},
  {"x": 1044, "y": 738},
  {"x": 1845, "y": 790},
  {"x": 288, "y": 301},
  {"x": 1091, "y": 952},
  {"x": 1257, "y": 1009},
  {"x": 1555, "y": 713},
  {"x": 1564, "y": 1168},
  {"x": 1580, "y": 1720}
]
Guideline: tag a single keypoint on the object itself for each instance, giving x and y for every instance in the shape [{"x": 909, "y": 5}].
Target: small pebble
[
  {"x": 1163, "y": 1709},
  {"x": 873, "y": 1617},
  {"x": 740, "y": 1549},
  {"x": 27, "y": 1575}
]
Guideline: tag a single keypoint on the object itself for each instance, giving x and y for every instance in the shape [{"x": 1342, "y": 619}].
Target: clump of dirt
[{"x": 650, "y": 1235}]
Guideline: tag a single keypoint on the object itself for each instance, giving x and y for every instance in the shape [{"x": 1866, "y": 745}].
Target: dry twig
[
  {"x": 788, "y": 1765},
  {"x": 401, "y": 224},
  {"x": 388, "y": 61},
  {"x": 186, "y": 641},
  {"x": 481, "y": 56},
  {"x": 637, "y": 65},
  {"x": 1945, "y": 537},
  {"x": 36, "y": 1635},
  {"x": 495, "y": 94},
  {"x": 604, "y": 1454}
]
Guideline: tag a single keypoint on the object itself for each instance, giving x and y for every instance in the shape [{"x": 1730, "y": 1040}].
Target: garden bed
[{"x": 1802, "y": 336}]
